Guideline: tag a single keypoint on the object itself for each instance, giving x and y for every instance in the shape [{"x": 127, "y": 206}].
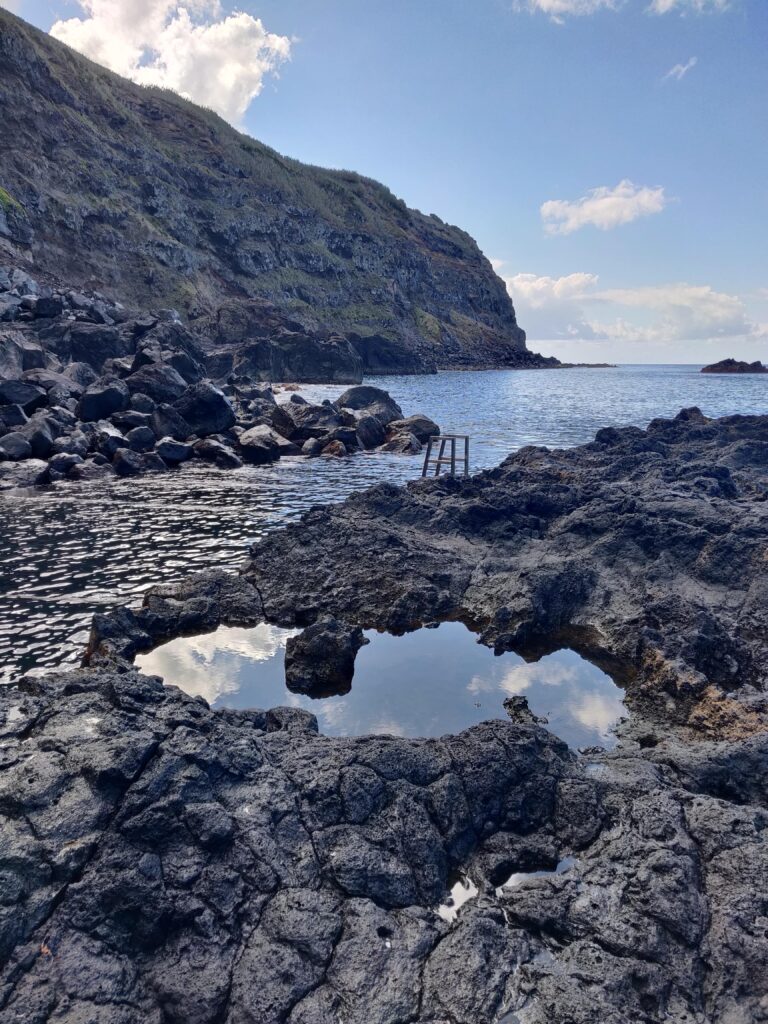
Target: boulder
[
  {"x": 321, "y": 660},
  {"x": 260, "y": 436},
  {"x": 11, "y": 355},
  {"x": 172, "y": 451},
  {"x": 205, "y": 408},
  {"x": 161, "y": 383},
  {"x": 96, "y": 343},
  {"x": 312, "y": 447},
  {"x": 166, "y": 422},
  {"x": 11, "y": 416},
  {"x": 102, "y": 399},
  {"x": 81, "y": 374},
  {"x": 22, "y": 393},
  {"x": 127, "y": 462},
  {"x": 71, "y": 444},
  {"x": 129, "y": 419},
  {"x": 141, "y": 439},
  {"x": 142, "y": 403},
  {"x": 373, "y": 401},
  {"x": 422, "y": 427},
  {"x": 216, "y": 452},
  {"x": 63, "y": 462},
  {"x": 334, "y": 449},
  {"x": 370, "y": 432},
  {"x": 402, "y": 443},
  {"x": 258, "y": 445},
  {"x": 15, "y": 447},
  {"x": 311, "y": 420},
  {"x": 40, "y": 434},
  {"x": 108, "y": 440},
  {"x": 48, "y": 307}
]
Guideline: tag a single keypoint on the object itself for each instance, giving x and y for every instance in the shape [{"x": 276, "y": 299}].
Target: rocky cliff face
[{"x": 139, "y": 193}]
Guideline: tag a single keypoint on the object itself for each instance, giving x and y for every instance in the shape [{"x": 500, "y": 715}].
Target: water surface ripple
[{"x": 74, "y": 549}]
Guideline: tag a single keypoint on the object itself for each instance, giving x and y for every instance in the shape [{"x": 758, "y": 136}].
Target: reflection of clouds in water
[
  {"x": 207, "y": 666},
  {"x": 480, "y": 685},
  {"x": 387, "y": 727},
  {"x": 597, "y": 711},
  {"x": 546, "y": 672}
]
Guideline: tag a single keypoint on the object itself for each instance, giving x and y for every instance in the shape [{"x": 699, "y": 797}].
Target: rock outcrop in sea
[
  {"x": 731, "y": 365},
  {"x": 168, "y": 863},
  {"x": 136, "y": 191}
]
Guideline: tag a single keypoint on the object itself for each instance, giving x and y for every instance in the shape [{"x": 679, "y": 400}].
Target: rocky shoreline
[
  {"x": 89, "y": 389},
  {"x": 168, "y": 863}
]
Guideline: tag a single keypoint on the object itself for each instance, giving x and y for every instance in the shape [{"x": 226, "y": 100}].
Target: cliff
[{"x": 140, "y": 194}]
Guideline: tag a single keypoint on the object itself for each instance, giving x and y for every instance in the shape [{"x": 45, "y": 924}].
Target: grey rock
[
  {"x": 260, "y": 444},
  {"x": 371, "y": 401},
  {"x": 370, "y": 432}
]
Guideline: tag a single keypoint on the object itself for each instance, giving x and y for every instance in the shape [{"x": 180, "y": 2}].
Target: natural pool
[
  {"x": 69, "y": 551},
  {"x": 426, "y": 683}
]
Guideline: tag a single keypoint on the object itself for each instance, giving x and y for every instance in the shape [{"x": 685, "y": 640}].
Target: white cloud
[
  {"x": 688, "y": 6},
  {"x": 602, "y": 207},
  {"x": 681, "y": 70},
  {"x": 574, "y": 307},
  {"x": 220, "y": 62},
  {"x": 557, "y": 10}
]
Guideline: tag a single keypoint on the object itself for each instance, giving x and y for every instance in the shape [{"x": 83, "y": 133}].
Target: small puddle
[
  {"x": 426, "y": 683},
  {"x": 520, "y": 877}
]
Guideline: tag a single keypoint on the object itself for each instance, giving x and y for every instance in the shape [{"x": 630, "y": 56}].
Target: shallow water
[
  {"x": 426, "y": 683},
  {"x": 76, "y": 549}
]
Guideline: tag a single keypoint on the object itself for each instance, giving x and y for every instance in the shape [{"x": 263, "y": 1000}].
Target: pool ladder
[{"x": 441, "y": 459}]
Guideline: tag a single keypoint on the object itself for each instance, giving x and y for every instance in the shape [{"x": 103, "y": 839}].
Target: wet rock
[
  {"x": 62, "y": 462},
  {"x": 312, "y": 447},
  {"x": 261, "y": 444},
  {"x": 103, "y": 398},
  {"x": 401, "y": 443},
  {"x": 216, "y": 452},
  {"x": 107, "y": 439},
  {"x": 321, "y": 660},
  {"x": 206, "y": 409},
  {"x": 334, "y": 449},
  {"x": 370, "y": 432},
  {"x": 422, "y": 427},
  {"x": 173, "y": 451},
  {"x": 126, "y": 462}
]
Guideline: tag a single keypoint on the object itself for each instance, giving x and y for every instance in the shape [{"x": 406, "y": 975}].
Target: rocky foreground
[
  {"x": 165, "y": 863},
  {"x": 90, "y": 389}
]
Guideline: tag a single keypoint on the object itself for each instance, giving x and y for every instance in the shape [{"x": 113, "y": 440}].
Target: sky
[{"x": 609, "y": 156}]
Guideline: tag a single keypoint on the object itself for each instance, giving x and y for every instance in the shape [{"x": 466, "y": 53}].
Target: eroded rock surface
[{"x": 165, "y": 863}]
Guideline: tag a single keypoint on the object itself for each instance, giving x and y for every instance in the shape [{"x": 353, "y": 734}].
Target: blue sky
[{"x": 639, "y": 127}]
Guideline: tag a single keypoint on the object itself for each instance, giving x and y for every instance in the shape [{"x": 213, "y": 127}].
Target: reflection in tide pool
[{"x": 426, "y": 683}]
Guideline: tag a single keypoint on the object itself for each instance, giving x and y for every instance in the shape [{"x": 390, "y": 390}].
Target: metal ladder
[{"x": 446, "y": 460}]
